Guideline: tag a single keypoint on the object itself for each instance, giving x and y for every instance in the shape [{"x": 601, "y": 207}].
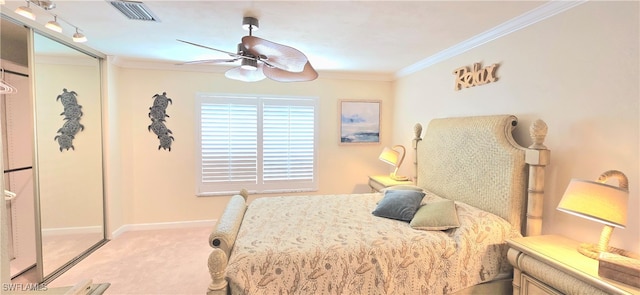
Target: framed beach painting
[{"x": 359, "y": 121}]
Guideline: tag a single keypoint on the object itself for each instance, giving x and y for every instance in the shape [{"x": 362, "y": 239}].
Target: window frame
[{"x": 259, "y": 187}]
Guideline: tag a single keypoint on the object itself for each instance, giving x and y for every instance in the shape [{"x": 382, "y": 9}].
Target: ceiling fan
[{"x": 260, "y": 58}]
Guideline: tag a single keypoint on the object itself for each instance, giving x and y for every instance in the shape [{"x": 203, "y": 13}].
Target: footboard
[{"x": 222, "y": 239}]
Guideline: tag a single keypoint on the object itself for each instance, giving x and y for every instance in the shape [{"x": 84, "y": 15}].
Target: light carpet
[{"x": 168, "y": 261}]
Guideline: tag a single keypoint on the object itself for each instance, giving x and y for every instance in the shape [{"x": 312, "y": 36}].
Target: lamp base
[
  {"x": 592, "y": 251},
  {"x": 398, "y": 178},
  {"x": 589, "y": 250}
]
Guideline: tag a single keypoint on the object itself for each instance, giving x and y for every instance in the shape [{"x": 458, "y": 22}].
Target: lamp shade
[
  {"x": 26, "y": 11},
  {"x": 596, "y": 201},
  {"x": 54, "y": 26},
  {"x": 79, "y": 37},
  {"x": 389, "y": 156},
  {"x": 394, "y": 157},
  {"x": 241, "y": 74}
]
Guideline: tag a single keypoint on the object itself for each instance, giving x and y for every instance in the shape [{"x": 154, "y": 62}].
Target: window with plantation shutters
[{"x": 262, "y": 144}]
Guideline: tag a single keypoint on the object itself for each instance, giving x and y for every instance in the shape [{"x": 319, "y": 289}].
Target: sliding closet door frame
[
  {"x": 34, "y": 28},
  {"x": 42, "y": 277}
]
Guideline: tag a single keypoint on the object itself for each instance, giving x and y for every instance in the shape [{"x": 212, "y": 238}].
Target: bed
[{"x": 475, "y": 188}]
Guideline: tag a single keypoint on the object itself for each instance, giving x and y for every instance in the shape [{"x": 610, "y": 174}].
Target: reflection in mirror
[
  {"x": 68, "y": 127},
  {"x": 16, "y": 121}
]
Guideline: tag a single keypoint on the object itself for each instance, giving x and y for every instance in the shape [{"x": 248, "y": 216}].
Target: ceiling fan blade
[
  {"x": 211, "y": 48},
  {"x": 281, "y": 56},
  {"x": 241, "y": 74},
  {"x": 276, "y": 74},
  {"x": 209, "y": 61}
]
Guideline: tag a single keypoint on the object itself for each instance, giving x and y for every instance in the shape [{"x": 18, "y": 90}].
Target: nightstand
[
  {"x": 551, "y": 264},
  {"x": 379, "y": 182}
]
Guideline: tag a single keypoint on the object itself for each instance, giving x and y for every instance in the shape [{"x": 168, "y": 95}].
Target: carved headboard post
[
  {"x": 537, "y": 156},
  {"x": 417, "y": 129}
]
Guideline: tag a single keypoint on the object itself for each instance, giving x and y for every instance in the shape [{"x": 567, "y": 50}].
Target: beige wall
[
  {"x": 148, "y": 185},
  {"x": 578, "y": 71}
]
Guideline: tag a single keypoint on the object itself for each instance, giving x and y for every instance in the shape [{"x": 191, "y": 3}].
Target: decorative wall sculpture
[
  {"x": 466, "y": 77},
  {"x": 158, "y": 115},
  {"x": 72, "y": 114}
]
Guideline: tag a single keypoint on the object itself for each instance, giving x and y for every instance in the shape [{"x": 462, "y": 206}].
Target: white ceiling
[{"x": 339, "y": 36}]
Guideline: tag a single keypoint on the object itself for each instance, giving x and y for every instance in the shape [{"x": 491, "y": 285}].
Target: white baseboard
[
  {"x": 162, "y": 225},
  {"x": 47, "y": 232}
]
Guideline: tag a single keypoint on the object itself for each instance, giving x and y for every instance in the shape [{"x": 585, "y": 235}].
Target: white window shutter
[
  {"x": 262, "y": 144},
  {"x": 288, "y": 144}
]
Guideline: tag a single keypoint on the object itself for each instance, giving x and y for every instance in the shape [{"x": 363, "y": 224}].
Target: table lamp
[
  {"x": 600, "y": 202},
  {"x": 394, "y": 156}
]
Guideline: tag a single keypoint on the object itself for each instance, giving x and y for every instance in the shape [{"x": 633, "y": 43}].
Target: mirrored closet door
[
  {"x": 53, "y": 134},
  {"x": 69, "y": 157},
  {"x": 16, "y": 125}
]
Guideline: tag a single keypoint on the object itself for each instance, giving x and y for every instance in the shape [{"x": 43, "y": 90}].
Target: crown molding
[
  {"x": 146, "y": 64},
  {"x": 163, "y": 65},
  {"x": 359, "y": 76},
  {"x": 543, "y": 12}
]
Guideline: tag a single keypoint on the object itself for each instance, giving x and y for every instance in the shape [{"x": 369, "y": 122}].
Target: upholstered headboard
[{"x": 476, "y": 160}]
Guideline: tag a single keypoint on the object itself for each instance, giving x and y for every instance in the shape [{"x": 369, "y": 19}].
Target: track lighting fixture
[
  {"x": 26, "y": 11},
  {"x": 79, "y": 37},
  {"x": 47, "y": 5},
  {"x": 54, "y": 25}
]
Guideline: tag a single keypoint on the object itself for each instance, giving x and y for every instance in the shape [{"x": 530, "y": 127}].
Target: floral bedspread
[{"x": 332, "y": 244}]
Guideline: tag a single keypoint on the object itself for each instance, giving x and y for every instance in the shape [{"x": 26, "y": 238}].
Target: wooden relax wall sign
[{"x": 478, "y": 76}]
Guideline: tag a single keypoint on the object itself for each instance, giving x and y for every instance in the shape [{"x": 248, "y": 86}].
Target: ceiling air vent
[{"x": 134, "y": 10}]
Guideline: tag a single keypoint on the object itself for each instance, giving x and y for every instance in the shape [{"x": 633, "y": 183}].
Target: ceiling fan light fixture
[
  {"x": 250, "y": 23},
  {"x": 240, "y": 74},
  {"x": 241, "y": 49},
  {"x": 262, "y": 59},
  {"x": 249, "y": 64},
  {"x": 54, "y": 25},
  {"x": 26, "y": 11}
]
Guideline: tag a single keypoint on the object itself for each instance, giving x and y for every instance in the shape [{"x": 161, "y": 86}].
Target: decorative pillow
[
  {"x": 438, "y": 215},
  {"x": 399, "y": 204}
]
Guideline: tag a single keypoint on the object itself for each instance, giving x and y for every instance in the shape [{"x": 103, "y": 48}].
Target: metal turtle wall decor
[
  {"x": 72, "y": 114},
  {"x": 158, "y": 115}
]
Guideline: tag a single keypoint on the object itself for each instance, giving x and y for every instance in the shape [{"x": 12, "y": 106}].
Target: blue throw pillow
[{"x": 399, "y": 204}]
